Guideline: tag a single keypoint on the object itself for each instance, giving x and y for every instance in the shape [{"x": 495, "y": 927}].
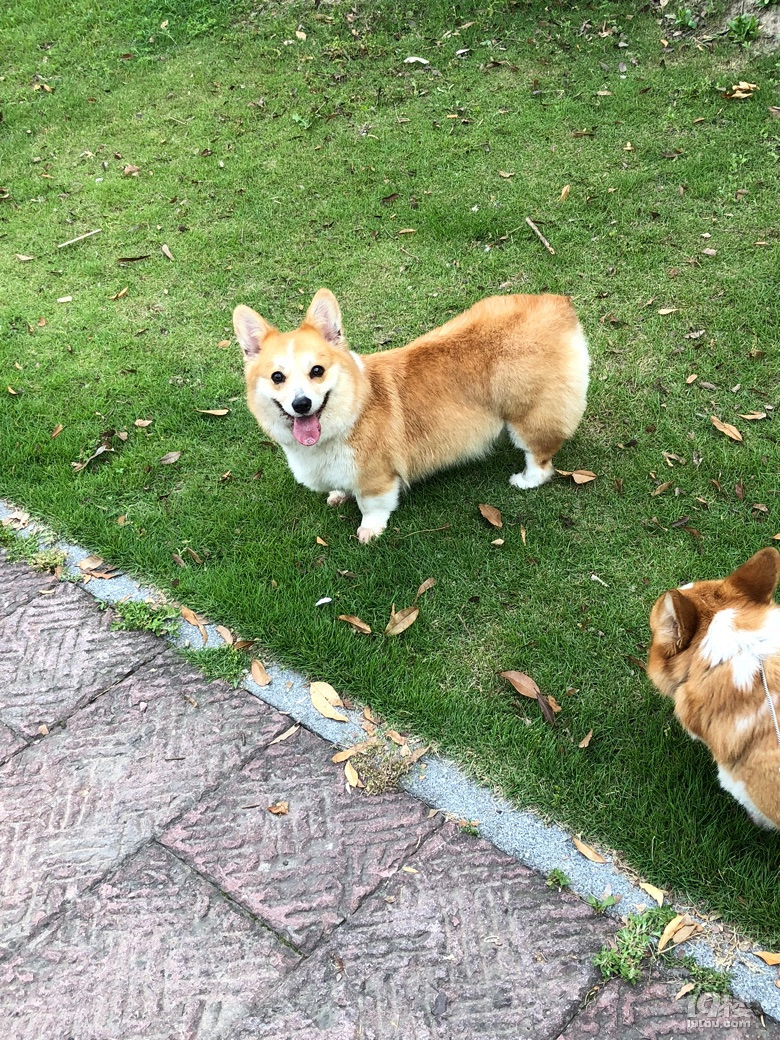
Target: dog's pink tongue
[{"x": 306, "y": 429}]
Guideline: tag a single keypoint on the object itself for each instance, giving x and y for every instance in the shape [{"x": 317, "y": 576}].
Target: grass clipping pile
[{"x": 379, "y": 768}]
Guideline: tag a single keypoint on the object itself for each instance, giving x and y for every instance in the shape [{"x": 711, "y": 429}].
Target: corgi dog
[
  {"x": 716, "y": 651},
  {"x": 369, "y": 425}
]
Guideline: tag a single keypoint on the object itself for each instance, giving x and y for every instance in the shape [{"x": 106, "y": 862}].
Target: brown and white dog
[
  {"x": 370, "y": 425},
  {"x": 711, "y": 642}
]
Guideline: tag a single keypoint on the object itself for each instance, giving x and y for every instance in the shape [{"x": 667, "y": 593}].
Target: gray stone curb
[{"x": 442, "y": 785}]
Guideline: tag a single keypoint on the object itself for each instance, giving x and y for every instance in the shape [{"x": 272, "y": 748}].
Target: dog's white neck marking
[
  {"x": 357, "y": 359},
  {"x": 743, "y": 647}
]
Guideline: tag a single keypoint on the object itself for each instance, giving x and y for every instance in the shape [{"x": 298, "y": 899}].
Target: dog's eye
[
  {"x": 277, "y": 377},
  {"x": 316, "y": 372}
]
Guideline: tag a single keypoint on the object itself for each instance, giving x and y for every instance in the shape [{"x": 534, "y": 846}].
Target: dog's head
[
  {"x": 714, "y": 622},
  {"x": 300, "y": 384}
]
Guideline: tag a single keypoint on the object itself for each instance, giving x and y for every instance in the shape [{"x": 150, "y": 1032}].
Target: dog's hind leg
[
  {"x": 538, "y": 459},
  {"x": 337, "y": 497}
]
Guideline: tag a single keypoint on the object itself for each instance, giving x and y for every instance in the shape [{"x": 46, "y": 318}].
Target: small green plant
[
  {"x": 633, "y": 943},
  {"x": 220, "y": 662},
  {"x": 133, "y": 615},
  {"x": 766, "y": 3},
  {"x": 557, "y": 879},
  {"x": 27, "y": 549},
  {"x": 744, "y": 28},
  {"x": 705, "y": 980},
  {"x": 602, "y": 905},
  {"x": 470, "y": 828},
  {"x": 685, "y": 18}
]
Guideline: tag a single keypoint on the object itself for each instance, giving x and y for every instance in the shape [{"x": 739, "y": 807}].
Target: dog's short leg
[
  {"x": 376, "y": 510},
  {"x": 337, "y": 498},
  {"x": 538, "y": 461}
]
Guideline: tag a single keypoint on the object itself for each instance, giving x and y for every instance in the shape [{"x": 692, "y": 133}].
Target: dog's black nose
[{"x": 302, "y": 405}]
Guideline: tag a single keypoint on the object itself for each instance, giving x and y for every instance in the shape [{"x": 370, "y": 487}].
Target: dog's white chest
[{"x": 323, "y": 467}]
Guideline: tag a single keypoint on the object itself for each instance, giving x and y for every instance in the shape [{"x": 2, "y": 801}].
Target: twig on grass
[
  {"x": 536, "y": 231},
  {"x": 79, "y": 238}
]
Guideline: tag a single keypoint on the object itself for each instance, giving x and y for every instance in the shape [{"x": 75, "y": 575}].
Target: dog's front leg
[{"x": 376, "y": 510}]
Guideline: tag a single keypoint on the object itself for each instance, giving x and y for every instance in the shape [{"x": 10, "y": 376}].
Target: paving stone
[
  {"x": 74, "y": 804},
  {"x": 305, "y": 872},
  {"x": 156, "y": 953},
  {"x": 648, "y": 1011},
  {"x": 57, "y": 652},
  {"x": 473, "y": 946},
  {"x": 9, "y": 742},
  {"x": 19, "y": 584}
]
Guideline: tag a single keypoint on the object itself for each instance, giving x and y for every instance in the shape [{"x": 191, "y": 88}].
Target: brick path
[{"x": 146, "y": 891}]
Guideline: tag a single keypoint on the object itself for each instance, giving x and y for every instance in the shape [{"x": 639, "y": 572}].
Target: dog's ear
[
  {"x": 251, "y": 330},
  {"x": 324, "y": 314},
  {"x": 674, "y": 621},
  {"x": 757, "y": 579}
]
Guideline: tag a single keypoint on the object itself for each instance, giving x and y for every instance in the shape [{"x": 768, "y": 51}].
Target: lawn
[{"x": 274, "y": 148}]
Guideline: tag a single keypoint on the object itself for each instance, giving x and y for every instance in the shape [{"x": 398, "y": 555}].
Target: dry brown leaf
[
  {"x": 167, "y": 252},
  {"x": 418, "y": 753},
  {"x": 565, "y": 191},
  {"x": 321, "y": 541},
  {"x": 491, "y": 514},
  {"x": 357, "y": 624},
  {"x": 212, "y": 411},
  {"x": 12, "y": 392},
  {"x": 347, "y": 753},
  {"x": 224, "y": 343},
  {"x": 661, "y": 488},
  {"x": 122, "y": 520},
  {"x": 691, "y": 378},
  {"x": 500, "y": 541},
  {"x": 143, "y": 423},
  {"x": 553, "y": 703},
  {"x": 169, "y": 458},
  {"x": 352, "y": 775},
  {"x": 427, "y": 584},
  {"x": 656, "y": 893},
  {"x": 768, "y": 958},
  {"x": 523, "y": 683},
  {"x": 670, "y": 929},
  {"x": 401, "y": 620},
  {"x": 753, "y": 415},
  {"x": 586, "y": 739},
  {"x": 259, "y": 674},
  {"x": 727, "y": 428},
  {"x": 667, "y": 310},
  {"x": 131, "y": 171},
  {"x": 579, "y": 476},
  {"x": 89, "y": 563},
  {"x": 279, "y": 808},
  {"x": 226, "y": 634},
  {"x": 287, "y": 734},
  {"x": 56, "y": 431},
  {"x": 193, "y": 555},
  {"x": 408, "y": 231},
  {"x": 395, "y": 736},
  {"x": 119, "y": 295},
  {"x": 505, "y": 174},
  {"x": 685, "y": 933},
  {"x": 23, "y": 258},
  {"x": 325, "y": 700},
  {"x": 588, "y": 852},
  {"x": 178, "y": 560},
  {"x": 197, "y": 622},
  {"x": 683, "y": 990}
]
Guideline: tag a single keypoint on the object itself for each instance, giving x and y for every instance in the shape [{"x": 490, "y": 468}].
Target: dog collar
[{"x": 770, "y": 702}]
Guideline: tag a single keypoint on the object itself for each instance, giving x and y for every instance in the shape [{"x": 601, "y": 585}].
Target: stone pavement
[{"x": 147, "y": 892}]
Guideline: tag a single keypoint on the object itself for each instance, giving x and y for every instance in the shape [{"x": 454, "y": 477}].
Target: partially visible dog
[
  {"x": 370, "y": 425},
  {"x": 716, "y": 651}
]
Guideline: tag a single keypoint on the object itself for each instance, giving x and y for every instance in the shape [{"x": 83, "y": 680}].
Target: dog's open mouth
[{"x": 306, "y": 428}]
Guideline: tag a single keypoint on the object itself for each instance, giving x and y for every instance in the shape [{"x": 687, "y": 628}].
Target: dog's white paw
[
  {"x": 337, "y": 498},
  {"x": 367, "y": 534},
  {"x": 533, "y": 477}
]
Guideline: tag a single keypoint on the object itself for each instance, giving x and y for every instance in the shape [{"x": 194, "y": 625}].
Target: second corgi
[{"x": 369, "y": 425}]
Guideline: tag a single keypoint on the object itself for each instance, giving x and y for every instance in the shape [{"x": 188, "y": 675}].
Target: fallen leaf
[
  {"x": 727, "y": 428},
  {"x": 579, "y": 476},
  {"x": 193, "y": 619},
  {"x": 279, "y": 808},
  {"x": 656, "y": 893},
  {"x": 178, "y": 560},
  {"x": 588, "y": 851},
  {"x": 167, "y": 252},
  {"x": 300, "y": 34},
  {"x": 768, "y": 958},
  {"x": 64, "y": 299},
  {"x": 259, "y": 674},
  {"x": 143, "y": 423},
  {"x": 357, "y": 624},
  {"x": 342, "y": 756},
  {"x": 491, "y": 514},
  {"x": 565, "y": 191},
  {"x": 226, "y": 634},
  {"x": 670, "y": 929},
  {"x": 351, "y": 775},
  {"x": 122, "y": 520},
  {"x": 401, "y": 620},
  {"x": 213, "y": 411},
  {"x": 169, "y": 458},
  {"x": 119, "y": 295},
  {"x": 131, "y": 171},
  {"x": 418, "y": 753},
  {"x": 287, "y": 734},
  {"x": 78, "y": 466},
  {"x": 411, "y": 60},
  {"x": 500, "y": 541},
  {"x": 661, "y": 488},
  {"x": 396, "y": 737},
  {"x": 691, "y": 378},
  {"x": 89, "y": 563},
  {"x": 224, "y": 343},
  {"x": 22, "y": 258},
  {"x": 685, "y": 933},
  {"x": 501, "y": 173},
  {"x": 710, "y": 252},
  {"x": 325, "y": 700},
  {"x": 523, "y": 683},
  {"x": 667, "y": 310},
  {"x": 586, "y": 739},
  {"x": 56, "y": 431},
  {"x": 687, "y": 988},
  {"x": 427, "y": 584},
  {"x": 553, "y": 704},
  {"x": 753, "y": 415},
  {"x": 193, "y": 555},
  {"x": 409, "y": 870}
]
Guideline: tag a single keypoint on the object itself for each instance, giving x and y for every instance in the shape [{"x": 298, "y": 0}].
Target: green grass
[
  {"x": 634, "y": 943},
  {"x": 271, "y": 165}
]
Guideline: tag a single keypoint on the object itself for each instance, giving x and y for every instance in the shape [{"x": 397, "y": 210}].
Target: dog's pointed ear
[
  {"x": 757, "y": 579},
  {"x": 674, "y": 621},
  {"x": 324, "y": 314},
  {"x": 251, "y": 330}
]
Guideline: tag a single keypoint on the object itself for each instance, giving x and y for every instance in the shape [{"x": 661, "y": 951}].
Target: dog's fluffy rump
[
  {"x": 709, "y": 641},
  {"x": 370, "y": 425}
]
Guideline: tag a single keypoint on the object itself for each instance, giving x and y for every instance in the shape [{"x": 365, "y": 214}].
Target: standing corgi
[
  {"x": 370, "y": 425},
  {"x": 715, "y": 645}
]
